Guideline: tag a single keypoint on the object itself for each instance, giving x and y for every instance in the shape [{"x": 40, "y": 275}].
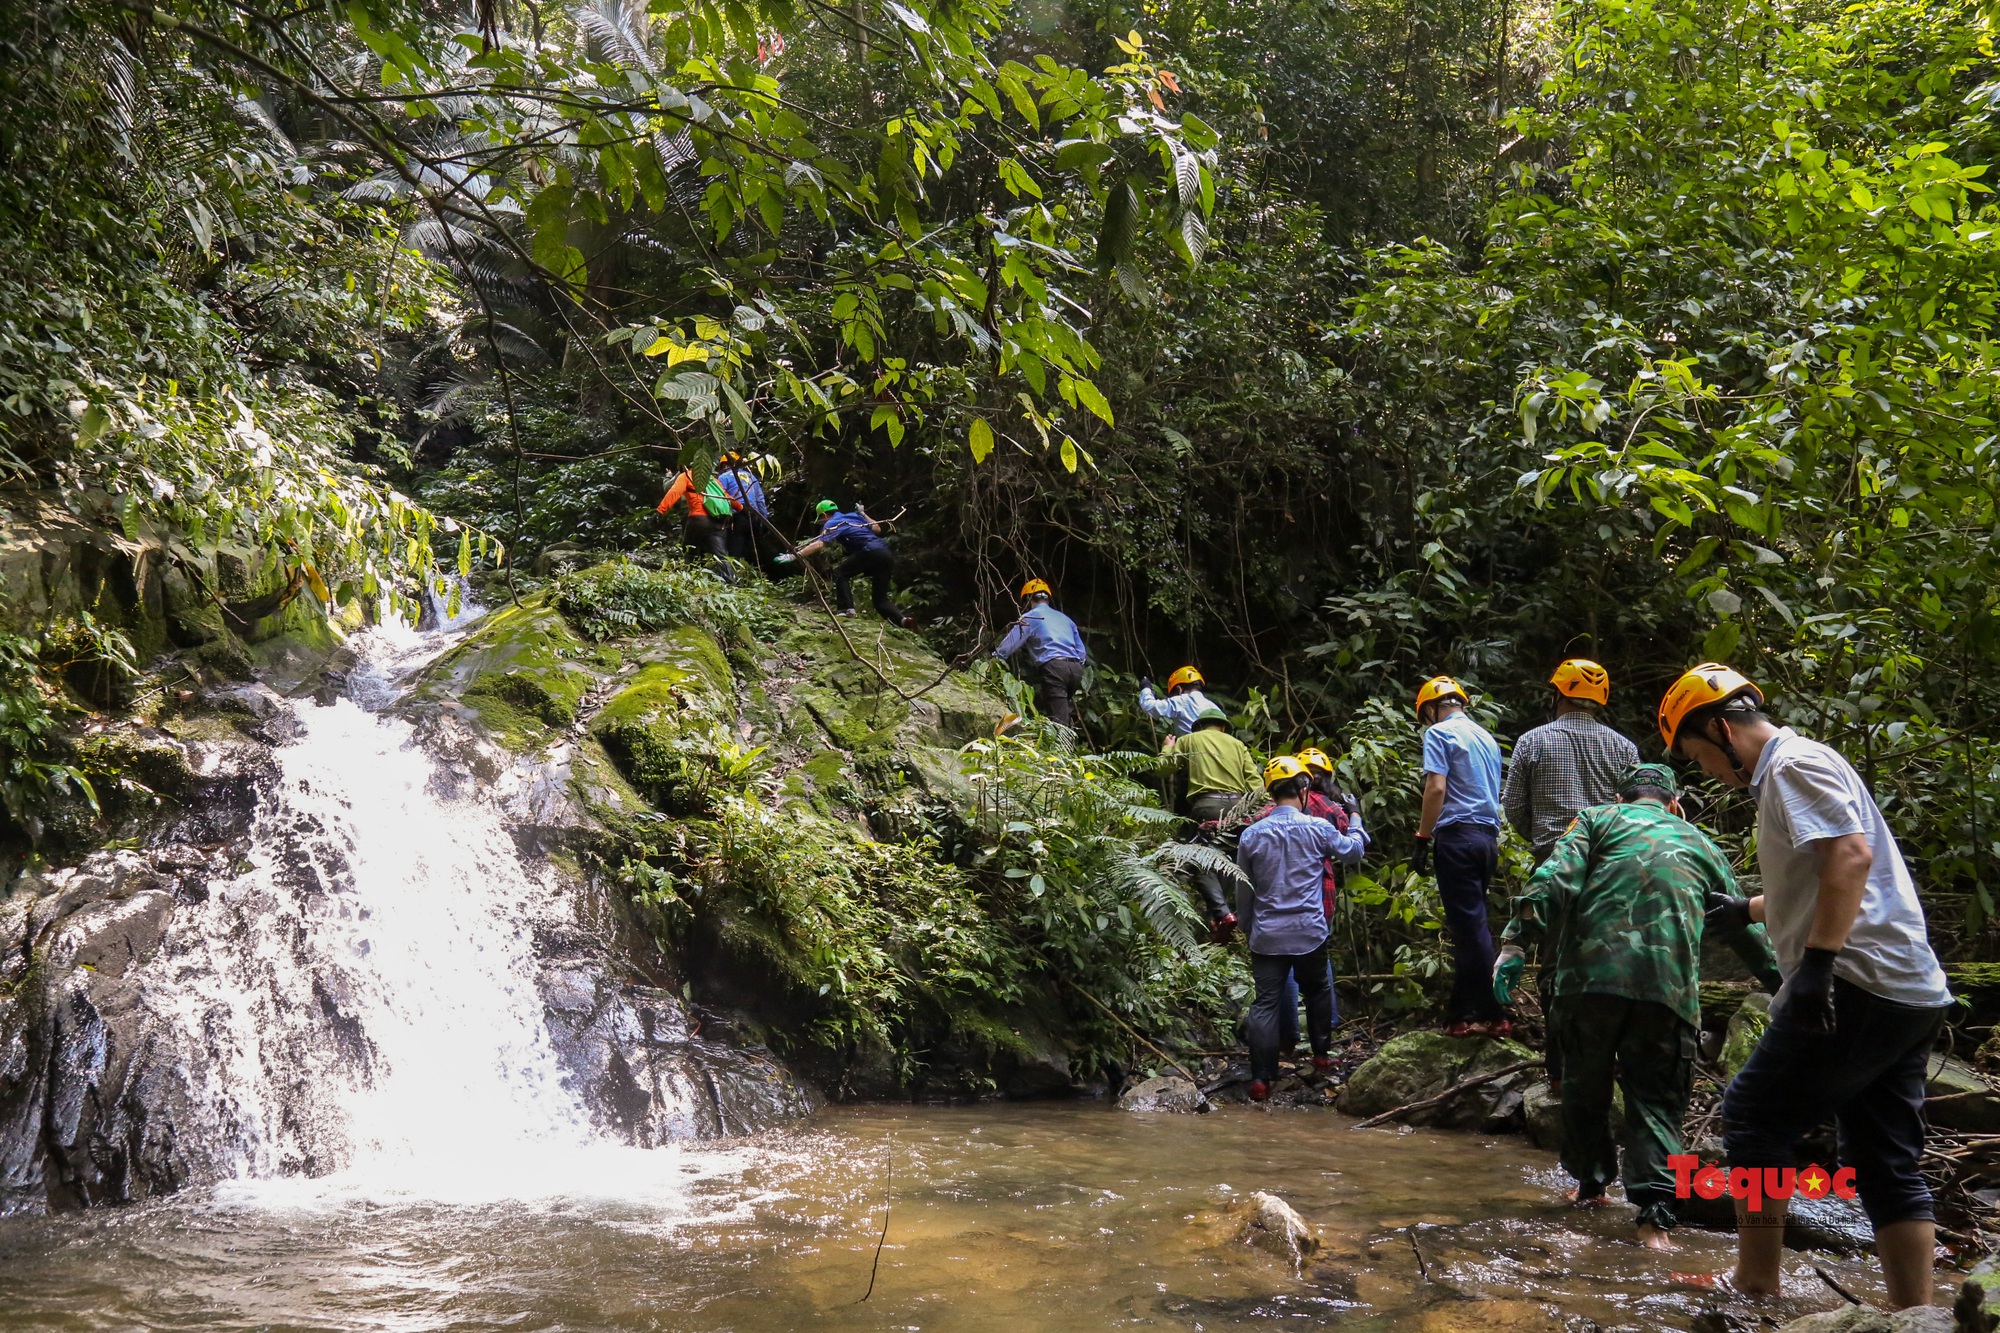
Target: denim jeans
[
  {"x": 1466, "y": 858},
  {"x": 1315, "y": 981},
  {"x": 1868, "y": 1073},
  {"x": 1288, "y": 1007}
]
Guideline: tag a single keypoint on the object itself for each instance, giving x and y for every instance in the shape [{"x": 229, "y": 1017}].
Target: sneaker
[
  {"x": 1460, "y": 1029},
  {"x": 909, "y": 622},
  {"x": 1322, "y": 1064},
  {"x": 848, "y": 612},
  {"x": 1222, "y": 929},
  {"x": 1260, "y": 1091}
]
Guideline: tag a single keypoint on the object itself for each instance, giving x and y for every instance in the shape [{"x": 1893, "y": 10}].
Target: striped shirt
[{"x": 1560, "y": 769}]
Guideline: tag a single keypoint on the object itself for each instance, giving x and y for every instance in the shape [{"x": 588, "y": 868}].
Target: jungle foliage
[{"x": 1327, "y": 347}]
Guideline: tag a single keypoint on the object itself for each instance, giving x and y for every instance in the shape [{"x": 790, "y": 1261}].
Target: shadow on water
[{"x": 1003, "y": 1217}]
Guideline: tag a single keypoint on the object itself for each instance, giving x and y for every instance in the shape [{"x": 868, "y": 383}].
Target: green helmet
[
  {"x": 825, "y": 507},
  {"x": 1657, "y": 776},
  {"x": 1213, "y": 715}
]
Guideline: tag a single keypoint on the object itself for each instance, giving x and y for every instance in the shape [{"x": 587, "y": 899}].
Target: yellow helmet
[
  {"x": 1314, "y": 757},
  {"x": 1282, "y": 767},
  {"x": 1187, "y": 675},
  {"x": 730, "y": 459},
  {"x": 1700, "y": 687},
  {"x": 1581, "y": 678},
  {"x": 1439, "y": 687},
  {"x": 1033, "y": 586}
]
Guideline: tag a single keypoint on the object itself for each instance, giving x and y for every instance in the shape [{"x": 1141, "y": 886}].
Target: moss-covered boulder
[
  {"x": 522, "y": 672},
  {"x": 1417, "y": 1065},
  {"x": 1746, "y": 1025},
  {"x": 670, "y": 725}
]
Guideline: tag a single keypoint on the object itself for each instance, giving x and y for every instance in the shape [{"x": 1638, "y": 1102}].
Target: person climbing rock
[
  {"x": 1617, "y": 907},
  {"x": 752, "y": 536},
  {"x": 708, "y": 514},
  {"x": 867, "y": 554},
  {"x": 1863, "y": 998},
  {"x": 1458, "y": 834},
  {"x": 1218, "y": 769},
  {"x": 1566, "y": 765},
  {"x": 1184, "y": 701},
  {"x": 1284, "y": 916},
  {"x": 1054, "y": 648}
]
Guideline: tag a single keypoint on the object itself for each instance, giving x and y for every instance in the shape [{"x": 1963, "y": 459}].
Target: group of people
[
  {"x": 1625, "y": 892},
  {"x": 728, "y": 519}
]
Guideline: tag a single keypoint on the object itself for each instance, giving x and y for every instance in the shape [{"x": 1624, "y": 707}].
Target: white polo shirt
[{"x": 1806, "y": 792}]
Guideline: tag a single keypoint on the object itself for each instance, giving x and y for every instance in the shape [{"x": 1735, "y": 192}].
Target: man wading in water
[
  {"x": 1863, "y": 1000},
  {"x": 1617, "y": 906}
]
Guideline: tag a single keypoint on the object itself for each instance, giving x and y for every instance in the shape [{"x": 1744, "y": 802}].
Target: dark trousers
[
  {"x": 1868, "y": 1073},
  {"x": 705, "y": 534},
  {"x": 1207, "y": 807},
  {"x": 1288, "y": 1007},
  {"x": 1315, "y": 982},
  {"x": 1056, "y": 685},
  {"x": 755, "y": 538},
  {"x": 1466, "y": 858},
  {"x": 1649, "y": 1050},
  {"x": 878, "y": 566}
]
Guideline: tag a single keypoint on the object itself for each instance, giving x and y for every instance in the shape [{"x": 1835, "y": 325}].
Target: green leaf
[
  {"x": 1119, "y": 234},
  {"x": 979, "y": 438}
]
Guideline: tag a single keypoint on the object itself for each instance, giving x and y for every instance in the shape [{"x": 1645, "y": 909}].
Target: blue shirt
[
  {"x": 1180, "y": 709},
  {"x": 1284, "y": 855},
  {"x": 1462, "y": 750},
  {"x": 1047, "y": 634},
  {"x": 852, "y": 532},
  {"x": 745, "y": 487}
]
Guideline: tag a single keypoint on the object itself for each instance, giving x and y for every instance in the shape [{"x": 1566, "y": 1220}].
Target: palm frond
[{"x": 1165, "y": 903}]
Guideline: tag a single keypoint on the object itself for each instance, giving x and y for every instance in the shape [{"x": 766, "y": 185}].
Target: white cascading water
[{"x": 439, "y": 1080}]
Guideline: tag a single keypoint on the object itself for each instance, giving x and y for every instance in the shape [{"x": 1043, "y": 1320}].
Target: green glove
[{"x": 1507, "y": 969}]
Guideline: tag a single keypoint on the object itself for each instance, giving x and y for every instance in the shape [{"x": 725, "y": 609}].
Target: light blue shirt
[
  {"x": 1047, "y": 634},
  {"x": 742, "y": 484},
  {"x": 1180, "y": 709},
  {"x": 1469, "y": 758},
  {"x": 1284, "y": 855}
]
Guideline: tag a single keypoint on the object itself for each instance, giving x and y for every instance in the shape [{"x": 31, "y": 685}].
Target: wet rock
[
  {"x": 1168, "y": 1093},
  {"x": 1541, "y": 1114},
  {"x": 1867, "y": 1319},
  {"x": 1275, "y": 1227},
  {"x": 1956, "y": 1097},
  {"x": 1417, "y": 1065},
  {"x": 1746, "y": 1025},
  {"x": 1490, "y": 1316}
]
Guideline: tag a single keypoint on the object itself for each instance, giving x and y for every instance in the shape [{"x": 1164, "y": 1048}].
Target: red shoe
[
  {"x": 1260, "y": 1091},
  {"x": 1460, "y": 1029},
  {"x": 1322, "y": 1064},
  {"x": 1222, "y": 929}
]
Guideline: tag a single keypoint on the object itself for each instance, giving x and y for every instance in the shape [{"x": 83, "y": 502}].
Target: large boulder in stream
[
  {"x": 1868, "y": 1319},
  {"x": 1420, "y": 1065},
  {"x": 1169, "y": 1093}
]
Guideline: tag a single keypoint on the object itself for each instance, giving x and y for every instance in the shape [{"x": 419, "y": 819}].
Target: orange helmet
[
  {"x": 1439, "y": 687},
  {"x": 1033, "y": 586},
  {"x": 1700, "y": 687},
  {"x": 1581, "y": 678},
  {"x": 1187, "y": 675},
  {"x": 1315, "y": 758}
]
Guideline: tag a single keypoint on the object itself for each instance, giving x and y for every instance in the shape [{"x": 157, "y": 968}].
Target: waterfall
[{"x": 364, "y": 987}]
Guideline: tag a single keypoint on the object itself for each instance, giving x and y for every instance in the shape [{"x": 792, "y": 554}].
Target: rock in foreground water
[
  {"x": 1274, "y": 1226},
  {"x": 1169, "y": 1093}
]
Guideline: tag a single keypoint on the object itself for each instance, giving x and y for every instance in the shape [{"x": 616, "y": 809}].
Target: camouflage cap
[{"x": 1647, "y": 775}]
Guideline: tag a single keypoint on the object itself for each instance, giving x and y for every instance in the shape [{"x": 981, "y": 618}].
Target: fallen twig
[
  {"x": 1839, "y": 1290},
  {"x": 1137, "y": 1036},
  {"x": 1439, "y": 1099},
  {"x": 888, "y": 1188},
  {"x": 1423, "y": 1269}
]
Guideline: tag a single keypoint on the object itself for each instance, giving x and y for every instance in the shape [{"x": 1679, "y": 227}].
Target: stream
[
  {"x": 407, "y": 1153},
  {"x": 1042, "y": 1216}
]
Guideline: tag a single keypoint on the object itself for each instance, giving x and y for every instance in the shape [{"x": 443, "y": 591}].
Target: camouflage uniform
[{"x": 1618, "y": 905}]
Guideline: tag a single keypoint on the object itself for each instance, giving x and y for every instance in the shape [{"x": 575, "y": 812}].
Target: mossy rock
[
  {"x": 1746, "y": 1025},
  {"x": 519, "y": 671},
  {"x": 661, "y": 728},
  {"x": 1417, "y": 1065}
]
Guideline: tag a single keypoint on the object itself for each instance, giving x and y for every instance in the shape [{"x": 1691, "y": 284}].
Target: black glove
[
  {"x": 1726, "y": 913},
  {"x": 1349, "y": 802},
  {"x": 1806, "y": 998},
  {"x": 1420, "y": 860},
  {"x": 1145, "y": 682}
]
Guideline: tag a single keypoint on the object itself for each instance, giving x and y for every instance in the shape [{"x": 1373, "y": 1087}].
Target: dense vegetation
[{"x": 1326, "y": 346}]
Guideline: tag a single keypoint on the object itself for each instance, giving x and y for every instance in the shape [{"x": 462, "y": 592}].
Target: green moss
[
  {"x": 663, "y": 729},
  {"x": 519, "y": 672}
]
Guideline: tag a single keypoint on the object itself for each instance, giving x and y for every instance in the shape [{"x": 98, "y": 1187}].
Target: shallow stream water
[{"x": 1001, "y": 1217}]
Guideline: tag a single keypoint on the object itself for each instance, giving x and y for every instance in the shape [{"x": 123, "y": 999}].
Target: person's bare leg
[
  {"x": 1654, "y": 1238},
  {"x": 1760, "y": 1246},
  {"x": 1909, "y": 1258}
]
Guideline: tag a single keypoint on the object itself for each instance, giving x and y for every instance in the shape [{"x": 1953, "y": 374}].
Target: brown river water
[{"x": 1002, "y": 1217}]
